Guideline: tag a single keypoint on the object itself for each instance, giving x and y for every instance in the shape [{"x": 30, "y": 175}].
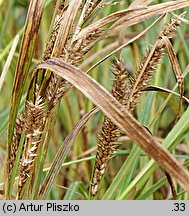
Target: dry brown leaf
[
  {"x": 62, "y": 152},
  {"x": 66, "y": 26},
  {"x": 148, "y": 12},
  {"x": 120, "y": 116},
  {"x": 175, "y": 65},
  {"x": 105, "y": 21},
  {"x": 168, "y": 91},
  {"x": 137, "y": 3},
  {"x": 132, "y": 16}
]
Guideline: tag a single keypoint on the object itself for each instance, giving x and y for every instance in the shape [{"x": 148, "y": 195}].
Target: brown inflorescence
[{"x": 110, "y": 132}]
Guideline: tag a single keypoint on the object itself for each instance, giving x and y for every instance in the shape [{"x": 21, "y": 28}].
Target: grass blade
[
  {"x": 8, "y": 62},
  {"x": 166, "y": 91},
  {"x": 175, "y": 65}
]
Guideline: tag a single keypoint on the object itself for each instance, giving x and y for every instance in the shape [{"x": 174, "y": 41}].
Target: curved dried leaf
[
  {"x": 168, "y": 91},
  {"x": 62, "y": 153},
  {"x": 132, "y": 16},
  {"x": 138, "y": 16},
  {"x": 175, "y": 65},
  {"x": 120, "y": 116},
  {"x": 105, "y": 21},
  {"x": 137, "y": 3}
]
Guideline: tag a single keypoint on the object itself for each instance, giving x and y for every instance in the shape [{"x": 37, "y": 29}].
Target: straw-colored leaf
[
  {"x": 26, "y": 52},
  {"x": 62, "y": 153},
  {"x": 8, "y": 61},
  {"x": 150, "y": 11},
  {"x": 137, "y": 3},
  {"x": 175, "y": 65},
  {"x": 121, "y": 117},
  {"x": 165, "y": 90},
  {"x": 132, "y": 16},
  {"x": 104, "y": 21}
]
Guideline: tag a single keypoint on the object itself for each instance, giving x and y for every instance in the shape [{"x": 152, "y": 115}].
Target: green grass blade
[
  {"x": 151, "y": 190},
  {"x": 120, "y": 177},
  {"x": 72, "y": 192},
  {"x": 8, "y": 14}
]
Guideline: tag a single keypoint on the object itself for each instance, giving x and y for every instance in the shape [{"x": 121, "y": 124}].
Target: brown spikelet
[
  {"x": 34, "y": 125},
  {"x": 15, "y": 143},
  {"x": 60, "y": 10},
  {"x": 106, "y": 145},
  {"x": 52, "y": 99},
  {"x": 149, "y": 62},
  {"x": 34, "y": 116},
  {"x": 55, "y": 90},
  {"x": 81, "y": 46},
  {"x": 56, "y": 85},
  {"x": 112, "y": 3},
  {"x": 110, "y": 132},
  {"x": 121, "y": 85},
  {"x": 148, "y": 73},
  {"x": 171, "y": 27},
  {"x": 89, "y": 7},
  {"x": 61, "y": 6},
  {"x": 52, "y": 40}
]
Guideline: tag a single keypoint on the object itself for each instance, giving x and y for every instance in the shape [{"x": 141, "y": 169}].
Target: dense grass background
[{"x": 153, "y": 110}]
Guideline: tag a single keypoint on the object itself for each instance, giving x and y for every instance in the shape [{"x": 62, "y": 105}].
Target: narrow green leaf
[{"x": 72, "y": 192}]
